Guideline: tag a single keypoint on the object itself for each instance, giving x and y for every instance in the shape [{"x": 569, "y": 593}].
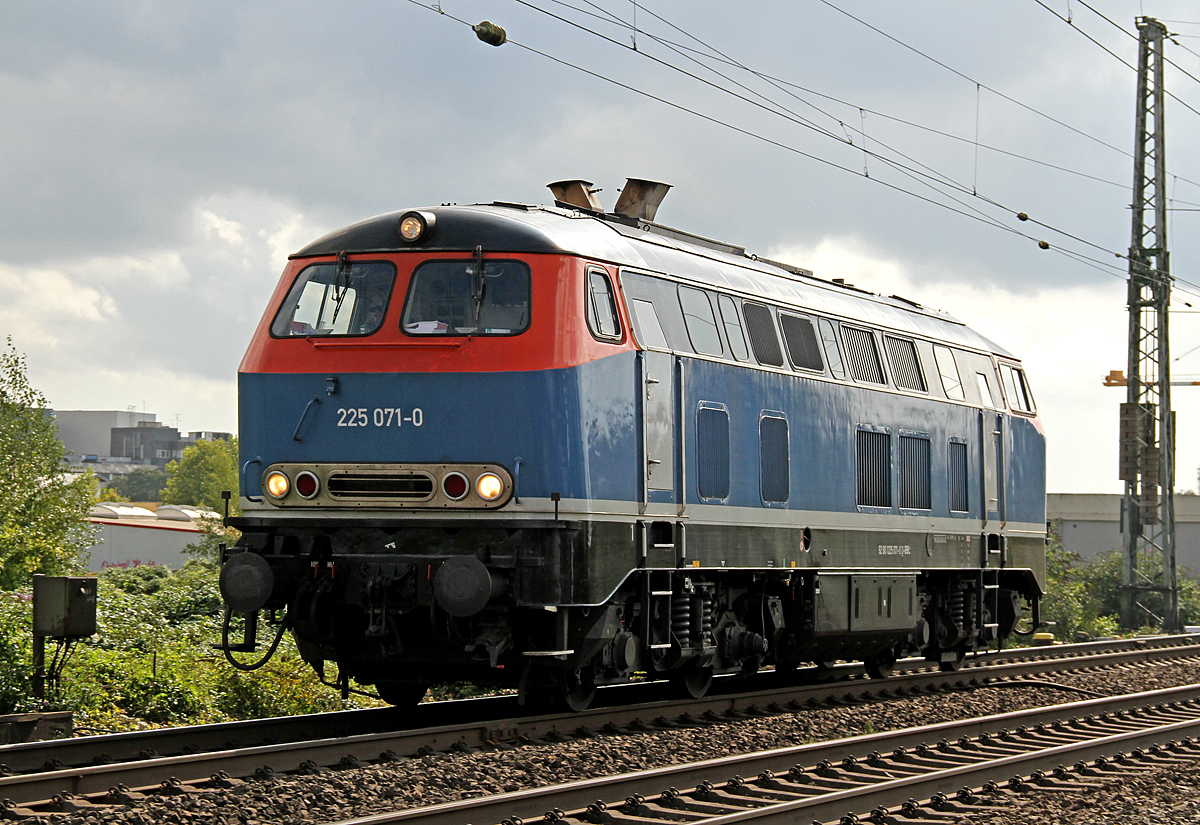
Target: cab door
[
  {"x": 992, "y": 463},
  {"x": 991, "y": 437},
  {"x": 658, "y": 426}
]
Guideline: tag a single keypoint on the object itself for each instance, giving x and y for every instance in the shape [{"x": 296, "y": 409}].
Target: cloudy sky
[{"x": 160, "y": 160}]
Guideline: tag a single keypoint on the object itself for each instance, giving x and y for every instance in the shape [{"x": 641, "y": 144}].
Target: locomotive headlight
[
  {"x": 278, "y": 484},
  {"x": 413, "y": 226},
  {"x": 489, "y": 486}
]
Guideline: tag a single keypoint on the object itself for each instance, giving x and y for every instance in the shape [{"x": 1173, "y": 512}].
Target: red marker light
[
  {"x": 455, "y": 486},
  {"x": 307, "y": 484}
]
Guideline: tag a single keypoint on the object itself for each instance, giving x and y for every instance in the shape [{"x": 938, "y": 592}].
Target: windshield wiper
[
  {"x": 480, "y": 286},
  {"x": 341, "y": 285}
]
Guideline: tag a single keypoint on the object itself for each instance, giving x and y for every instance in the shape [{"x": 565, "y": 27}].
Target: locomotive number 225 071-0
[{"x": 379, "y": 417}]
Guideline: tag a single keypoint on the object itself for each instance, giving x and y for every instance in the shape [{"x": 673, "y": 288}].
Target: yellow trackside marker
[
  {"x": 793, "y": 564},
  {"x": 695, "y": 562}
]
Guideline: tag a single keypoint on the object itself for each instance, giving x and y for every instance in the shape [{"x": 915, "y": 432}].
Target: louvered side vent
[
  {"x": 774, "y": 464},
  {"x": 712, "y": 452},
  {"x": 802, "y": 344},
  {"x": 914, "y": 473},
  {"x": 762, "y": 334},
  {"x": 874, "y": 469},
  {"x": 958, "y": 477},
  {"x": 906, "y": 368},
  {"x": 862, "y": 355}
]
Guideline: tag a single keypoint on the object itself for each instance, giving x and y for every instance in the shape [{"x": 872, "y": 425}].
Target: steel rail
[
  {"x": 30, "y": 757},
  {"x": 824, "y": 793},
  {"x": 148, "y": 769}
]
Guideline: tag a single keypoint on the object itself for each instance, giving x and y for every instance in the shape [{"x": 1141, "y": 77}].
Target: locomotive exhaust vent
[
  {"x": 640, "y": 198},
  {"x": 410, "y": 486},
  {"x": 577, "y": 193}
]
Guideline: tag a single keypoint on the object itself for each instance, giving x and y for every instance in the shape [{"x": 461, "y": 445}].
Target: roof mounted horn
[
  {"x": 640, "y": 198},
  {"x": 576, "y": 193}
]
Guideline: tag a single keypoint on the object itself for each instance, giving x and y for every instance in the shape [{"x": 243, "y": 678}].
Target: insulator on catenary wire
[{"x": 490, "y": 33}]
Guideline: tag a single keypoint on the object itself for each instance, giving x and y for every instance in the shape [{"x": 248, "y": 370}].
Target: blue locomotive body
[{"x": 554, "y": 448}]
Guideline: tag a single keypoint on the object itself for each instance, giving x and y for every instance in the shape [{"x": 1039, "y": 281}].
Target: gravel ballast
[{"x": 1167, "y": 796}]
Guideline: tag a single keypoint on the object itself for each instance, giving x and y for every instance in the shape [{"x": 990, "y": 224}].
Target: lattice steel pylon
[{"x": 1147, "y": 422}]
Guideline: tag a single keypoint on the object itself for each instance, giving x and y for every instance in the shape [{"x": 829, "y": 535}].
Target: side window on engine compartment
[
  {"x": 833, "y": 352},
  {"x": 763, "y": 340},
  {"x": 948, "y": 370},
  {"x": 801, "y": 340},
  {"x": 700, "y": 321},
  {"x": 655, "y": 311},
  {"x": 733, "y": 328},
  {"x": 336, "y": 298},
  {"x": 649, "y": 330}
]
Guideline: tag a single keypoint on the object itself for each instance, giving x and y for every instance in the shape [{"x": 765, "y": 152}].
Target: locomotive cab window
[
  {"x": 453, "y": 298},
  {"x": 1020, "y": 399},
  {"x": 336, "y": 299},
  {"x": 602, "y": 316}
]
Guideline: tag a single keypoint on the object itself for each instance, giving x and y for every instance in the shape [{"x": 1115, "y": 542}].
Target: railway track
[
  {"x": 217, "y": 756},
  {"x": 959, "y": 766}
]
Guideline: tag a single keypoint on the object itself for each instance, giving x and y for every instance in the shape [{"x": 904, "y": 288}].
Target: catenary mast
[{"x": 1147, "y": 421}]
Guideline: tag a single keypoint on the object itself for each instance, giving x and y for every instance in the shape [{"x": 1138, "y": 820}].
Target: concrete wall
[
  {"x": 1090, "y": 524},
  {"x": 127, "y": 544},
  {"x": 86, "y": 432}
]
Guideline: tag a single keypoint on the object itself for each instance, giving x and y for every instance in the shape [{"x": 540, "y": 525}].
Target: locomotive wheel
[
  {"x": 879, "y": 665},
  {"x": 954, "y": 664},
  {"x": 401, "y": 694},
  {"x": 693, "y": 681},
  {"x": 580, "y": 696}
]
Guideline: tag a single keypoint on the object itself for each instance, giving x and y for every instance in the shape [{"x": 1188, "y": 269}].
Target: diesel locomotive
[{"x": 554, "y": 447}]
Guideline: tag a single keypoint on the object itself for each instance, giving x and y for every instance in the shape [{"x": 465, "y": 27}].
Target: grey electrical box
[{"x": 64, "y": 607}]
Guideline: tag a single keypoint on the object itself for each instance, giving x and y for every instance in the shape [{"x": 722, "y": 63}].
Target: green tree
[
  {"x": 44, "y": 525},
  {"x": 1084, "y": 597},
  {"x": 109, "y": 494},
  {"x": 143, "y": 484},
  {"x": 207, "y": 468}
]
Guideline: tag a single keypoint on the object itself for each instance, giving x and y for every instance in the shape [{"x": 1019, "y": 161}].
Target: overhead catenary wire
[
  {"x": 1133, "y": 36},
  {"x": 970, "y": 213},
  {"x": 1122, "y": 60},
  {"x": 769, "y": 106},
  {"x": 970, "y": 79},
  {"x": 998, "y": 93},
  {"x": 783, "y": 85},
  {"x": 866, "y": 151}
]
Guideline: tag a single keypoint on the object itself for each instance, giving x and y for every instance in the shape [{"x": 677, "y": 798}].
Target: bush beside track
[{"x": 152, "y": 662}]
